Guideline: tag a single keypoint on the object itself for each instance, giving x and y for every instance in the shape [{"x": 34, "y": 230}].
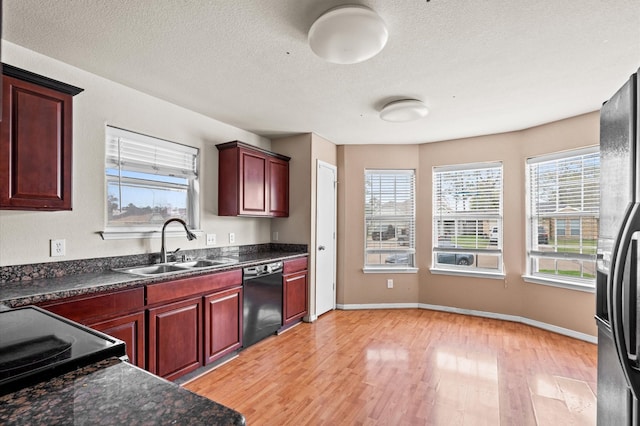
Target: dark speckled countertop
[
  {"x": 111, "y": 392},
  {"x": 21, "y": 293}
]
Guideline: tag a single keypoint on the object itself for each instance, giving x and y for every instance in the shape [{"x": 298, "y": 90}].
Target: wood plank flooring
[{"x": 409, "y": 367}]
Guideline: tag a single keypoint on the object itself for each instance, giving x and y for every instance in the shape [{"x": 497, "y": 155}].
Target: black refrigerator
[{"x": 618, "y": 263}]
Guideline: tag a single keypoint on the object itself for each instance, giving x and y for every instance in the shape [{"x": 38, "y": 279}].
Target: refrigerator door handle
[{"x": 617, "y": 310}]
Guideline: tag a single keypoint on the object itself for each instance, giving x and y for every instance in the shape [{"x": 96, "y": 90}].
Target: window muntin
[
  {"x": 563, "y": 216},
  {"x": 467, "y": 217},
  {"x": 149, "y": 180},
  {"x": 389, "y": 219}
]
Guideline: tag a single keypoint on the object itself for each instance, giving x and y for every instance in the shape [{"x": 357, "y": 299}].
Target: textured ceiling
[{"x": 480, "y": 66}]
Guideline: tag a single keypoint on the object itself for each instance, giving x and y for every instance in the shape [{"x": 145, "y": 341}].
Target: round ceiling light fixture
[
  {"x": 348, "y": 34},
  {"x": 403, "y": 110}
]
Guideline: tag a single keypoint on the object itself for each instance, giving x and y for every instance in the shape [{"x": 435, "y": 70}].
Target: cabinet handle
[{"x": 321, "y": 248}]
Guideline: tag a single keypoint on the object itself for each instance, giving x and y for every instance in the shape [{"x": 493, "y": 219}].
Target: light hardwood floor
[{"x": 409, "y": 367}]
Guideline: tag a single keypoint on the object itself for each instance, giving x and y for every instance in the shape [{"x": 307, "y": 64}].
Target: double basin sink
[{"x": 177, "y": 267}]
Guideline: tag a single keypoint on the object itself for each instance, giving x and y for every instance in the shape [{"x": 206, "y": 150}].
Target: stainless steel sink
[
  {"x": 154, "y": 269},
  {"x": 174, "y": 268},
  {"x": 206, "y": 263}
]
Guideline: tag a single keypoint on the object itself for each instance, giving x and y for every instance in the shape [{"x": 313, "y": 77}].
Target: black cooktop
[{"x": 36, "y": 345}]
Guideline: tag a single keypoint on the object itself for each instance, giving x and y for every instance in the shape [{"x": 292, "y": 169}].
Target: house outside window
[
  {"x": 149, "y": 180},
  {"x": 563, "y": 200},
  {"x": 467, "y": 219},
  {"x": 389, "y": 207}
]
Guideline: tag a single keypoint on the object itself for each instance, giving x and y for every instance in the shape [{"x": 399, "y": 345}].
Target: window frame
[
  {"x": 460, "y": 215},
  {"x": 368, "y": 218},
  {"x": 190, "y": 174},
  {"x": 567, "y": 221}
]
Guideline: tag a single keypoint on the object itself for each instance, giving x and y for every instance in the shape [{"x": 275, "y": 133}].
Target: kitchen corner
[{"x": 112, "y": 391}]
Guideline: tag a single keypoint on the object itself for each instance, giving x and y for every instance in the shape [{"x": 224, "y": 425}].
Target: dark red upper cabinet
[
  {"x": 35, "y": 141},
  {"x": 252, "y": 181}
]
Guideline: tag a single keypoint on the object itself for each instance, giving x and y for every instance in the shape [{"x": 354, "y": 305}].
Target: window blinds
[
  {"x": 140, "y": 153},
  {"x": 468, "y": 191},
  {"x": 390, "y": 210},
  {"x": 563, "y": 215},
  {"x": 565, "y": 187},
  {"x": 467, "y": 200}
]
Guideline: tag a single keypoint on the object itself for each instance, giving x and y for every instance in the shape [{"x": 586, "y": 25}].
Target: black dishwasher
[{"x": 262, "y": 299}]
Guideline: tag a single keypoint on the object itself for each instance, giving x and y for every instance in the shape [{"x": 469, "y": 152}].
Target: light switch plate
[{"x": 389, "y": 283}]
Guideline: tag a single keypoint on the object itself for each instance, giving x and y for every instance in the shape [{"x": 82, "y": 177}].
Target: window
[
  {"x": 467, "y": 218},
  {"x": 389, "y": 220},
  {"x": 563, "y": 208},
  {"x": 149, "y": 180}
]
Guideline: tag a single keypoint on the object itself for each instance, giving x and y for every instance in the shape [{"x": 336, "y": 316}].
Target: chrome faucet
[{"x": 163, "y": 250}]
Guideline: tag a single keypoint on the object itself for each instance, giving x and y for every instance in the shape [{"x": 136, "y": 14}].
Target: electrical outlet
[
  {"x": 232, "y": 238},
  {"x": 389, "y": 283},
  {"x": 211, "y": 239},
  {"x": 57, "y": 248},
  {"x": 275, "y": 236}
]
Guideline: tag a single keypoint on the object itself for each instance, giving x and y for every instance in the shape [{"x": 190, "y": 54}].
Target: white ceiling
[{"x": 481, "y": 67}]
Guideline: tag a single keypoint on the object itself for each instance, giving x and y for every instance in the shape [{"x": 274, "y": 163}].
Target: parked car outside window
[{"x": 462, "y": 259}]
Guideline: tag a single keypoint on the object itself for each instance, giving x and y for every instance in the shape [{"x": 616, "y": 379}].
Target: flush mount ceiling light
[
  {"x": 403, "y": 110},
  {"x": 348, "y": 34}
]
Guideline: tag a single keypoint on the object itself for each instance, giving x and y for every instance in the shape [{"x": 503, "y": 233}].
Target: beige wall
[
  {"x": 512, "y": 296},
  {"x": 354, "y": 286},
  {"x": 296, "y": 228},
  {"x": 24, "y": 236},
  {"x": 300, "y": 227}
]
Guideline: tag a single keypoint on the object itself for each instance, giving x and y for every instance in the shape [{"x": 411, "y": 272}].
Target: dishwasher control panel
[{"x": 256, "y": 271}]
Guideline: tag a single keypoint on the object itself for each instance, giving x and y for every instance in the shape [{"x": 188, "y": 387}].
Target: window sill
[
  {"x": 139, "y": 235},
  {"x": 570, "y": 285},
  {"x": 474, "y": 274},
  {"x": 390, "y": 270}
]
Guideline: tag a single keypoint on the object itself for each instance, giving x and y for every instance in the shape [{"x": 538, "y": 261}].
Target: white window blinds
[
  {"x": 563, "y": 214},
  {"x": 136, "y": 152},
  {"x": 467, "y": 216},
  {"x": 389, "y": 218}
]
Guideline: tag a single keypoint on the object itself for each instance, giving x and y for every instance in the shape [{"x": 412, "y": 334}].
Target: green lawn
[
  {"x": 569, "y": 245},
  {"x": 469, "y": 241},
  {"x": 564, "y": 245},
  {"x": 575, "y": 274}
]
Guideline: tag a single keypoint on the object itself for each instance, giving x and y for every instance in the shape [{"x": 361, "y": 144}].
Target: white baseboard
[
  {"x": 514, "y": 318},
  {"x": 354, "y": 307}
]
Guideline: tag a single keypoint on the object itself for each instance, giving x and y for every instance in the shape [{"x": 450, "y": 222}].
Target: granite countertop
[
  {"x": 21, "y": 293},
  {"x": 112, "y": 392}
]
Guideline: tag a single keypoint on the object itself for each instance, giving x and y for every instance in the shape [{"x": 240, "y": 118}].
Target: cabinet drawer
[
  {"x": 179, "y": 289},
  {"x": 94, "y": 307},
  {"x": 295, "y": 265}
]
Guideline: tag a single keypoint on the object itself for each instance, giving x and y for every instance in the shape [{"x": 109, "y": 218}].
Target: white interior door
[{"x": 326, "y": 214}]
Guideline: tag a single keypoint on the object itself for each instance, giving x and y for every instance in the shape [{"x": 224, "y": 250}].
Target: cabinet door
[
  {"x": 222, "y": 323},
  {"x": 254, "y": 171},
  {"x": 278, "y": 187},
  {"x": 295, "y": 296},
  {"x": 35, "y": 147},
  {"x": 175, "y": 338},
  {"x": 129, "y": 329}
]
